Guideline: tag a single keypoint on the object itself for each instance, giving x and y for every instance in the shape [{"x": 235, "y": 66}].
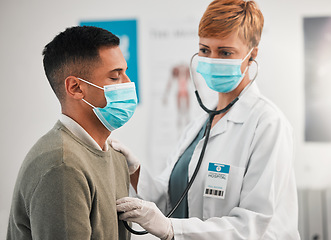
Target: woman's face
[{"x": 228, "y": 48}]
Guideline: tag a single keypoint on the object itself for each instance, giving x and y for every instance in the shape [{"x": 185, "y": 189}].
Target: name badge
[{"x": 217, "y": 179}]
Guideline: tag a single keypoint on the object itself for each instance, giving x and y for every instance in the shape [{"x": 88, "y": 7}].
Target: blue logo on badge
[{"x": 218, "y": 167}]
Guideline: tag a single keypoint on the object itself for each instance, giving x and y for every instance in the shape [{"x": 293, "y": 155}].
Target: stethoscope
[{"x": 211, "y": 115}]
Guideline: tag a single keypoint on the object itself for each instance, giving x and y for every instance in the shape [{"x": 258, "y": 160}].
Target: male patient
[{"x": 69, "y": 181}]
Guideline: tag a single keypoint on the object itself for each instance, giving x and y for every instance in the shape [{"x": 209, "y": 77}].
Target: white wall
[{"x": 29, "y": 108}]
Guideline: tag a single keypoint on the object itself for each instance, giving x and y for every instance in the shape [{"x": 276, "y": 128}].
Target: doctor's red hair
[{"x": 224, "y": 17}]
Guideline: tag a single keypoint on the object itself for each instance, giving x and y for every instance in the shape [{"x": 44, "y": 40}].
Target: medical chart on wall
[
  {"x": 172, "y": 43},
  {"x": 317, "y": 43}
]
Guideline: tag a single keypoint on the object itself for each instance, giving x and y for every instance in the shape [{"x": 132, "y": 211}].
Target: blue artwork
[{"x": 126, "y": 30}]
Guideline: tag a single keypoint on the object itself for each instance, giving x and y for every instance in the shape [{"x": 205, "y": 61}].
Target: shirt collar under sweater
[{"x": 80, "y": 132}]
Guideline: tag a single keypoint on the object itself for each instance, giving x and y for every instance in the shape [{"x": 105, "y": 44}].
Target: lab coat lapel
[
  {"x": 190, "y": 135},
  {"x": 239, "y": 112},
  {"x": 220, "y": 127}
]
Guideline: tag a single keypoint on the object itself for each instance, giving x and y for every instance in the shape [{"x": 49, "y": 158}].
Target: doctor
[{"x": 245, "y": 188}]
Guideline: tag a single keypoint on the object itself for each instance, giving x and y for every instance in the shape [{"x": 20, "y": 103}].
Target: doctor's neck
[{"x": 225, "y": 98}]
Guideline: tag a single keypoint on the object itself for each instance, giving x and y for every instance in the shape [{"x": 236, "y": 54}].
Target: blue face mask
[
  {"x": 221, "y": 75},
  {"x": 121, "y": 104}
]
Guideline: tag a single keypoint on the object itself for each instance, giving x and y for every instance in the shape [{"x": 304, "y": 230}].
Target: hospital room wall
[{"x": 29, "y": 107}]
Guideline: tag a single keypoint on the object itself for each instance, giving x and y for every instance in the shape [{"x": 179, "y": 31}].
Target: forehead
[
  {"x": 232, "y": 40},
  {"x": 112, "y": 57}
]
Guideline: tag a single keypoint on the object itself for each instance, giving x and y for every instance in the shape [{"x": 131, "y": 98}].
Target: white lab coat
[{"x": 255, "y": 139}]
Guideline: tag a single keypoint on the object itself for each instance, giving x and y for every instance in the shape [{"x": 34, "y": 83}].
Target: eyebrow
[
  {"x": 204, "y": 45},
  {"x": 118, "y": 70},
  {"x": 218, "y": 47}
]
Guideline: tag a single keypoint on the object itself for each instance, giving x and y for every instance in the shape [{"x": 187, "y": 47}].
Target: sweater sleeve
[{"x": 60, "y": 205}]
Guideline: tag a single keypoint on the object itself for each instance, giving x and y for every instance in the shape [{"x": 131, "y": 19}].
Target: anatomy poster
[
  {"x": 172, "y": 43},
  {"x": 317, "y": 42}
]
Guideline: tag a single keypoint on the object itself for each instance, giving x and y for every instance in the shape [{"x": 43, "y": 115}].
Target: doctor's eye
[
  {"x": 204, "y": 51},
  {"x": 225, "y": 54}
]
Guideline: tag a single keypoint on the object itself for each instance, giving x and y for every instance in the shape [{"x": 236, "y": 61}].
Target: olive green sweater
[{"x": 67, "y": 190}]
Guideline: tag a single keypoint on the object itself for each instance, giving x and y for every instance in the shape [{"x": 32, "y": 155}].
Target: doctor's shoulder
[{"x": 268, "y": 112}]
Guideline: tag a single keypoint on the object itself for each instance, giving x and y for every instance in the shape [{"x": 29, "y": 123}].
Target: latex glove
[
  {"x": 132, "y": 161},
  {"x": 147, "y": 215}
]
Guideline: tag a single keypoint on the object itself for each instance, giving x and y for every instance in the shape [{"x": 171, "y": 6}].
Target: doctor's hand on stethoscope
[{"x": 147, "y": 215}]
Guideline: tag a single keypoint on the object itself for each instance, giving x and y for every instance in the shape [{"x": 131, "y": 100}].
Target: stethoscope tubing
[{"x": 212, "y": 114}]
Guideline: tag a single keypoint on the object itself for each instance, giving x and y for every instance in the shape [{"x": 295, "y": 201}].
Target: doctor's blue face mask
[
  {"x": 121, "y": 104},
  {"x": 221, "y": 75}
]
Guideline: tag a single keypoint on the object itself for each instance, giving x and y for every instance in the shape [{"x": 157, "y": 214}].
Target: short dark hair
[{"x": 74, "y": 52}]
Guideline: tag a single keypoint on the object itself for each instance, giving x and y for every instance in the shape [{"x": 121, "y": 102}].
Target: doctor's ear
[
  {"x": 253, "y": 55},
  {"x": 73, "y": 88}
]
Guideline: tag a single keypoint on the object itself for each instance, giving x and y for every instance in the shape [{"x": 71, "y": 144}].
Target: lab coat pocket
[{"x": 216, "y": 206}]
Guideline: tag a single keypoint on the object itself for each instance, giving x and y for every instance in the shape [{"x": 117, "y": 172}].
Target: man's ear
[{"x": 73, "y": 88}]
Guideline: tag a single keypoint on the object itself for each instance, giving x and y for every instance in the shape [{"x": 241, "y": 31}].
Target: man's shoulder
[
  {"x": 45, "y": 153},
  {"x": 57, "y": 146},
  {"x": 48, "y": 143}
]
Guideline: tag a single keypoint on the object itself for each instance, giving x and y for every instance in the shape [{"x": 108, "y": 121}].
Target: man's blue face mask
[
  {"x": 221, "y": 75},
  {"x": 121, "y": 104}
]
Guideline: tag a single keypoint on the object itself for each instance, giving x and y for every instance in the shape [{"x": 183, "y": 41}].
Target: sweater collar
[{"x": 80, "y": 132}]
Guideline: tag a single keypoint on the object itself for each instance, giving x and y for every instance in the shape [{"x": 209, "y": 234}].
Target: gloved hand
[
  {"x": 132, "y": 161},
  {"x": 147, "y": 215}
]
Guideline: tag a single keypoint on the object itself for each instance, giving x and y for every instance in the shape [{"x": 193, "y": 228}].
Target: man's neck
[
  {"x": 98, "y": 132},
  {"x": 93, "y": 127}
]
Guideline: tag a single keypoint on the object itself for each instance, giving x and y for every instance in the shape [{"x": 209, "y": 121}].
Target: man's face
[{"x": 110, "y": 70}]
